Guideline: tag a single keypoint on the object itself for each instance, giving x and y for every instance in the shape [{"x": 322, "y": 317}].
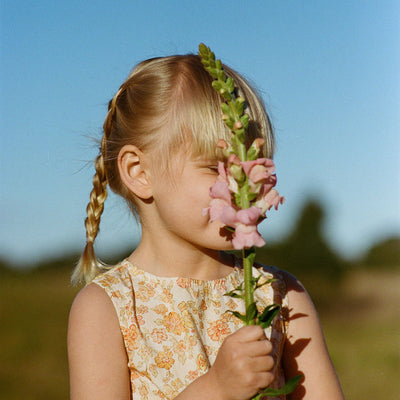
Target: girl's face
[{"x": 180, "y": 195}]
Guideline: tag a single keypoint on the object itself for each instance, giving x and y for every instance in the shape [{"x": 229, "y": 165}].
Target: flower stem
[{"x": 248, "y": 258}]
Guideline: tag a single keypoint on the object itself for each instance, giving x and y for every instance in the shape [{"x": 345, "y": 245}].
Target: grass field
[{"x": 362, "y": 332}]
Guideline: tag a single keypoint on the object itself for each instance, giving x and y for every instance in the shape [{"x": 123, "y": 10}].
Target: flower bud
[
  {"x": 222, "y": 144},
  {"x": 237, "y": 172},
  {"x": 237, "y": 125}
]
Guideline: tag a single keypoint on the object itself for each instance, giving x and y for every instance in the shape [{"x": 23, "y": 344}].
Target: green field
[{"x": 362, "y": 332}]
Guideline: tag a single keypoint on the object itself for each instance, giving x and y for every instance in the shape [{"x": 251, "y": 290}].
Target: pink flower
[
  {"x": 269, "y": 199},
  {"x": 232, "y": 217},
  {"x": 259, "y": 169},
  {"x": 243, "y": 221},
  {"x": 217, "y": 207},
  {"x": 227, "y": 178},
  {"x": 247, "y": 236},
  {"x": 220, "y": 190}
]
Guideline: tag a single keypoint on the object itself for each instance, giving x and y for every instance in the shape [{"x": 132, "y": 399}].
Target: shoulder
[
  {"x": 91, "y": 301},
  {"x": 96, "y": 350},
  {"x": 302, "y": 313},
  {"x": 91, "y": 309},
  {"x": 293, "y": 288},
  {"x": 298, "y": 297}
]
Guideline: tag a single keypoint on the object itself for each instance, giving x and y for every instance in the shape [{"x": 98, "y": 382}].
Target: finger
[
  {"x": 264, "y": 379},
  {"x": 262, "y": 364},
  {"x": 258, "y": 348},
  {"x": 249, "y": 333}
]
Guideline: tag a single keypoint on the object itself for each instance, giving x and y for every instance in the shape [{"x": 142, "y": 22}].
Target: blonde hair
[{"x": 164, "y": 103}]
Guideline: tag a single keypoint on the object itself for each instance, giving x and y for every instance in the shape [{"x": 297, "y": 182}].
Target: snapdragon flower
[
  {"x": 257, "y": 178},
  {"x": 241, "y": 196}
]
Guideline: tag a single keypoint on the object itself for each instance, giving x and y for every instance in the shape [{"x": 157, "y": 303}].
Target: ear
[{"x": 134, "y": 172}]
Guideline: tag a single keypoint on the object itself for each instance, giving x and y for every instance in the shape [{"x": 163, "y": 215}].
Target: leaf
[
  {"x": 268, "y": 315},
  {"x": 265, "y": 283},
  {"x": 234, "y": 294},
  {"x": 288, "y": 388},
  {"x": 238, "y": 315}
]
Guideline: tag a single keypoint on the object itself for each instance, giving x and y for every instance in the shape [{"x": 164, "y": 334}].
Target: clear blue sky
[{"x": 329, "y": 72}]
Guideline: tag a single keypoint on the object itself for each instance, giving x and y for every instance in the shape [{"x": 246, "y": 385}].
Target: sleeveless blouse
[{"x": 173, "y": 327}]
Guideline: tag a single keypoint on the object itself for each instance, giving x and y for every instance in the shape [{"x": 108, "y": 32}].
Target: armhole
[{"x": 280, "y": 294}]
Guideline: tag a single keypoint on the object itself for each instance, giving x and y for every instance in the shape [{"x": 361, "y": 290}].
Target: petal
[
  {"x": 228, "y": 216},
  {"x": 258, "y": 173},
  {"x": 272, "y": 198},
  {"x": 247, "y": 236},
  {"x": 232, "y": 184},
  {"x": 233, "y": 159},
  {"x": 216, "y": 208},
  {"x": 266, "y": 162},
  {"x": 248, "y": 216},
  {"x": 222, "y": 172},
  {"x": 220, "y": 190}
]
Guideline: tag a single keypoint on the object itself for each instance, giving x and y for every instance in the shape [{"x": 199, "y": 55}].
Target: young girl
[{"x": 156, "y": 325}]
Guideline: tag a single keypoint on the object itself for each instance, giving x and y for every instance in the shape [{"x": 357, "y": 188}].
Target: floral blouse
[{"x": 173, "y": 327}]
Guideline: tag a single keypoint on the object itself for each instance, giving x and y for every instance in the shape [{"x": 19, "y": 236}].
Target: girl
[{"x": 155, "y": 326}]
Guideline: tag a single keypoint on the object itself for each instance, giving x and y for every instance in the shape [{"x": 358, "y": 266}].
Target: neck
[{"x": 171, "y": 258}]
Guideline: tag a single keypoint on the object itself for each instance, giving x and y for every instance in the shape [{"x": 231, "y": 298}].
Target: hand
[{"x": 243, "y": 365}]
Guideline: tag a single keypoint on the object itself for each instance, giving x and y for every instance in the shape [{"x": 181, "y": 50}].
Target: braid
[{"x": 89, "y": 266}]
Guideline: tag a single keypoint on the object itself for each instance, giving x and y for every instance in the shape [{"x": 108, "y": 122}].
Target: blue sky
[{"x": 328, "y": 72}]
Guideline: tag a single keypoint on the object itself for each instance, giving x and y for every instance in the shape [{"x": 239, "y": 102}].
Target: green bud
[
  {"x": 245, "y": 120},
  {"x": 217, "y": 85},
  {"x": 225, "y": 109},
  {"x": 231, "y": 85},
  {"x": 237, "y": 172},
  {"x": 239, "y": 107}
]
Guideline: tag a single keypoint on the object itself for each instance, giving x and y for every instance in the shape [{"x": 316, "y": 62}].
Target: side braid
[{"x": 89, "y": 265}]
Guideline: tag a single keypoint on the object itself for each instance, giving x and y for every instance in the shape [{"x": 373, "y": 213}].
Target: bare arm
[
  {"x": 96, "y": 352},
  {"x": 305, "y": 349}
]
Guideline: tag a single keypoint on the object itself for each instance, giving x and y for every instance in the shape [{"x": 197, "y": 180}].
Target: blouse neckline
[{"x": 233, "y": 276}]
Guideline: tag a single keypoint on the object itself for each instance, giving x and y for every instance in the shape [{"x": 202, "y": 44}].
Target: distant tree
[
  {"x": 305, "y": 250},
  {"x": 385, "y": 252}
]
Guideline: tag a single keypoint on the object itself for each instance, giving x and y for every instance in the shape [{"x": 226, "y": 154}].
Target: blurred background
[{"x": 328, "y": 73}]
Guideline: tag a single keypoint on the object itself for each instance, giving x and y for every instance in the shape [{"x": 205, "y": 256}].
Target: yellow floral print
[
  {"x": 165, "y": 359},
  {"x": 173, "y": 323},
  {"x": 173, "y": 327}
]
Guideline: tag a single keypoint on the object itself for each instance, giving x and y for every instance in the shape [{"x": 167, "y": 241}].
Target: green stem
[
  {"x": 242, "y": 152},
  {"x": 248, "y": 257},
  {"x": 244, "y": 196}
]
